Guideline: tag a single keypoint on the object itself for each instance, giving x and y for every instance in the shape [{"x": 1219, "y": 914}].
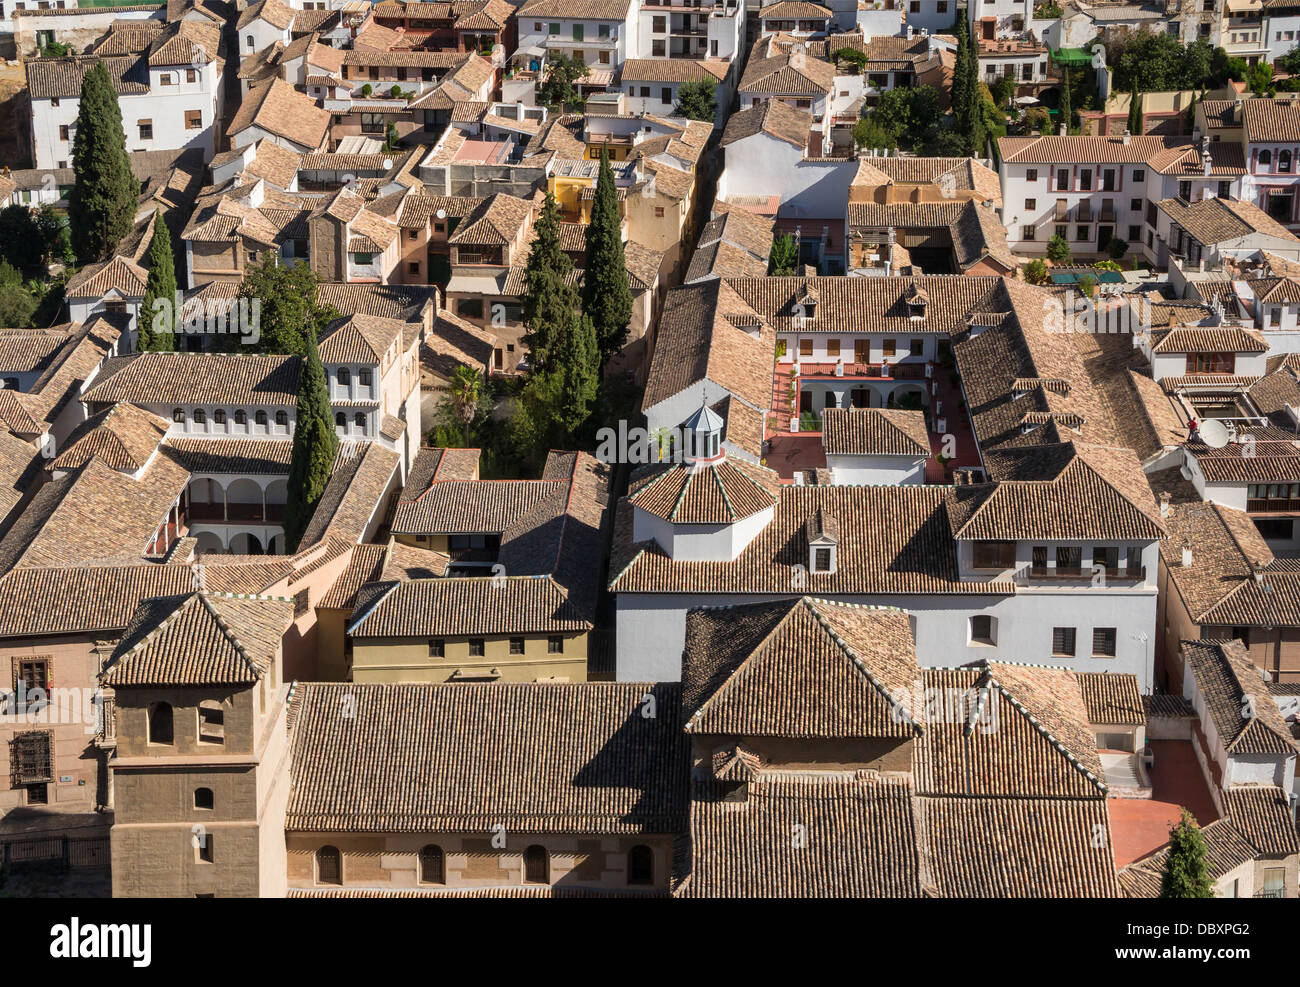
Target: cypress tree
[
  {"x": 1066, "y": 110},
  {"x": 157, "y": 329},
  {"x": 102, "y": 203},
  {"x": 315, "y": 446},
  {"x": 548, "y": 296},
  {"x": 961, "y": 80},
  {"x": 1135, "y": 111},
  {"x": 606, "y": 295},
  {"x": 1186, "y": 874},
  {"x": 576, "y": 375}
]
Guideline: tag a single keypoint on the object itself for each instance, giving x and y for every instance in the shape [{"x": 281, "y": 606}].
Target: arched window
[
  {"x": 219, "y": 416},
  {"x": 259, "y": 418},
  {"x": 241, "y": 417},
  {"x": 329, "y": 865},
  {"x": 640, "y": 865},
  {"x": 537, "y": 865},
  {"x": 203, "y": 798},
  {"x": 341, "y": 420},
  {"x": 160, "y": 723},
  {"x": 200, "y": 416},
  {"x": 1265, "y": 157},
  {"x": 431, "y": 865},
  {"x": 178, "y": 414},
  {"x": 345, "y": 377},
  {"x": 282, "y": 418},
  {"x": 359, "y": 419},
  {"x": 363, "y": 377},
  {"x": 1284, "y": 160}
]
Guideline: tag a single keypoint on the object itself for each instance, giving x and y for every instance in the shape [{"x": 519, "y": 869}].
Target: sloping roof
[
  {"x": 201, "y": 378},
  {"x": 80, "y": 598},
  {"x": 496, "y": 220},
  {"x": 123, "y": 437},
  {"x": 874, "y": 432},
  {"x": 360, "y": 339},
  {"x": 469, "y": 605},
  {"x": 1238, "y": 701},
  {"x": 282, "y": 110},
  {"x": 798, "y": 668},
  {"x": 61, "y": 78},
  {"x": 674, "y": 70},
  {"x": 772, "y": 117},
  {"x": 200, "y": 639},
  {"x": 976, "y": 231},
  {"x": 1218, "y": 220},
  {"x": 1112, "y": 699},
  {"x": 714, "y": 493},
  {"x": 536, "y": 758},
  {"x": 1226, "y": 849}
]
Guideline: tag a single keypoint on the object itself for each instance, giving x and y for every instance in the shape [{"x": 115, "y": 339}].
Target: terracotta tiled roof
[
  {"x": 772, "y": 117},
  {"x": 798, "y": 668},
  {"x": 201, "y": 378},
  {"x": 1236, "y": 698},
  {"x": 1259, "y": 455},
  {"x": 603, "y": 10},
  {"x": 118, "y": 274},
  {"x": 200, "y": 639},
  {"x": 463, "y": 507},
  {"x": 1217, "y": 220},
  {"x": 673, "y": 70},
  {"x": 274, "y": 12},
  {"x": 123, "y": 438},
  {"x": 459, "y": 606},
  {"x": 279, "y": 108},
  {"x": 540, "y": 758},
  {"x": 1267, "y": 121},
  {"x": 497, "y": 220},
  {"x": 81, "y": 598},
  {"x": 354, "y": 496},
  {"x": 976, "y": 231},
  {"x": 360, "y": 338},
  {"x": 965, "y": 174},
  {"x": 1208, "y": 339},
  {"x": 1099, "y": 493},
  {"x": 1262, "y": 814},
  {"x": 787, "y": 73},
  {"x": 1226, "y": 849},
  {"x": 874, "y": 432},
  {"x": 233, "y": 455},
  {"x": 61, "y": 78},
  {"x": 914, "y": 554},
  {"x": 716, "y": 493},
  {"x": 1112, "y": 699}
]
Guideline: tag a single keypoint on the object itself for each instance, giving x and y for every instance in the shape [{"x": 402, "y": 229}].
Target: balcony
[
  {"x": 1083, "y": 212},
  {"x": 236, "y": 513},
  {"x": 1272, "y": 505},
  {"x": 1075, "y": 574},
  {"x": 878, "y": 371}
]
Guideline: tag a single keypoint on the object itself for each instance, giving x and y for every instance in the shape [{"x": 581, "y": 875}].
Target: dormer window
[
  {"x": 916, "y": 300},
  {"x": 823, "y": 533}
]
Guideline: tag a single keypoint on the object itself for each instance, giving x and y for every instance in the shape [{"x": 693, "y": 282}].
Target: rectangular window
[
  {"x": 165, "y": 79},
  {"x": 63, "y": 132},
  {"x": 301, "y": 602},
  {"x": 1069, "y": 558},
  {"x": 146, "y": 129},
  {"x": 822, "y": 560},
  {"x": 477, "y": 649},
  {"x": 191, "y": 75},
  {"x": 1211, "y": 363},
  {"x": 659, "y": 25},
  {"x": 1103, "y": 642},
  {"x": 832, "y": 347},
  {"x": 577, "y": 32},
  {"x": 553, "y": 30},
  {"x": 516, "y": 645},
  {"x": 1139, "y": 174},
  {"x": 805, "y": 347},
  {"x": 31, "y": 674},
  {"x": 915, "y": 347},
  {"x": 659, "y": 212},
  {"x": 437, "y": 648},
  {"x": 993, "y": 554},
  {"x": 1031, "y": 175},
  {"x": 193, "y": 119},
  {"x": 889, "y": 347},
  {"x": 555, "y": 645},
  {"x": 1031, "y": 203},
  {"x": 1134, "y": 234},
  {"x": 981, "y": 629},
  {"x": 212, "y": 725},
  {"x": 31, "y": 758},
  {"x": 1062, "y": 179},
  {"x": 1028, "y": 232},
  {"x": 665, "y": 95},
  {"x": 203, "y": 852},
  {"x": 1063, "y": 641},
  {"x": 1085, "y": 179}
]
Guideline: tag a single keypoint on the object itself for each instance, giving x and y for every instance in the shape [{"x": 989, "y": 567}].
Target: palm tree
[{"x": 466, "y": 389}]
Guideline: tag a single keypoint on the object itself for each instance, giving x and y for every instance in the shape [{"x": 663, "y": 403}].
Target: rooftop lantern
[{"x": 702, "y": 437}]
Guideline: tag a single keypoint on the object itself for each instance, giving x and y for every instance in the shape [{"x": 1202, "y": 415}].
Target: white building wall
[
  {"x": 622, "y": 39},
  {"x": 763, "y": 165},
  {"x": 868, "y": 470}
]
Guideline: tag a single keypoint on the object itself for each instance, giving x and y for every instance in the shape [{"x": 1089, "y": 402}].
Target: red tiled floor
[
  {"x": 1139, "y": 826},
  {"x": 788, "y": 453}
]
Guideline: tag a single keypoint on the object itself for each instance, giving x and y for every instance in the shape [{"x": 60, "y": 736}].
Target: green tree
[
  {"x": 102, "y": 202},
  {"x": 867, "y": 133},
  {"x": 1186, "y": 872},
  {"x": 315, "y": 446},
  {"x": 1003, "y": 89},
  {"x": 289, "y": 315},
  {"x": 21, "y": 241},
  {"x": 1290, "y": 62},
  {"x": 784, "y": 257},
  {"x": 1036, "y": 272},
  {"x": 465, "y": 393},
  {"x": 966, "y": 96},
  {"x": 1135, "y": 110},
  {"x": 53, "y": 226},
  {"x": 561, "y": 73},
  {"x": 1261, "y": 79},
  {"x": 157, "y": 322},
  {"x": 698, "y": 100},
  {"x": 1067, "y": 113},
  {"x": 17, "y": 303},
  {"x": 606, "y": 294},
  {"x": 1116, "y": 248},
  {"x": 1058, "y": 249},
  {"x": 547, "y": 292}
]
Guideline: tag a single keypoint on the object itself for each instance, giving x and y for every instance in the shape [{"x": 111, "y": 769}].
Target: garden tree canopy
[
  {"x": 606, "y": 294},
  {"x": 1135, "y": 111},
  {"x": 910, "y": 117},
  {"x": 157, "y": 324},
  {"x": 784, "y": 255},
  {"x": 1058, "y": 249},
  {"x": 17, "y": 304},
  {"x": 21, "y": 241},
  {"x": 1159, "y": 62},
  {"x": 1186, "y": 873},
  {"x": 966, "y": 96},
  {"x": 698, "y": 100},
  {"x": 315, "y": 446},
  {"x": 102, "y": 202},
  {"x": 866, "y": 133},
  {"x": 290, "y": 314},
  {"x": 558, "y": 89}
]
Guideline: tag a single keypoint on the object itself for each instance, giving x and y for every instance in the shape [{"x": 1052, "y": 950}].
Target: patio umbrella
[{"x": 1026, "y": 100}]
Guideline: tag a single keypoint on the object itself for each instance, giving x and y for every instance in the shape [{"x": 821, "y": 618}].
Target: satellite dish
[
  {"x": 388, "y": 163},
  {"x": 442, "y": 213},
  {"x": 1214, "y": 433}
]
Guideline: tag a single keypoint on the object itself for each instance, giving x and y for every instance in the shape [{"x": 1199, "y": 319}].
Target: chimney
[
  {"x": 1205, "y": 160},
  {"x": 1187, "y": 554},
  {"x": 1164, "y": 505},
  {"x": 1126, "y": 136},
  {"x": 910, "y": 32},
  {"x": 1061, "y": 131}
]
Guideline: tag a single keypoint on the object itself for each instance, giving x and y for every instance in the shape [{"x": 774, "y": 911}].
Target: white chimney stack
[
  {"x": 1164, "y": 505},
  {"x": 1126, "y": 136},
  {"x": 1187, "y": 554}
]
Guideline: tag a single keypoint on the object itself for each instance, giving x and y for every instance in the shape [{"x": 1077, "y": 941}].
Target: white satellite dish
[
  {"x": 442, "y": 213},
  {"x": 1214, "y": 433}
]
